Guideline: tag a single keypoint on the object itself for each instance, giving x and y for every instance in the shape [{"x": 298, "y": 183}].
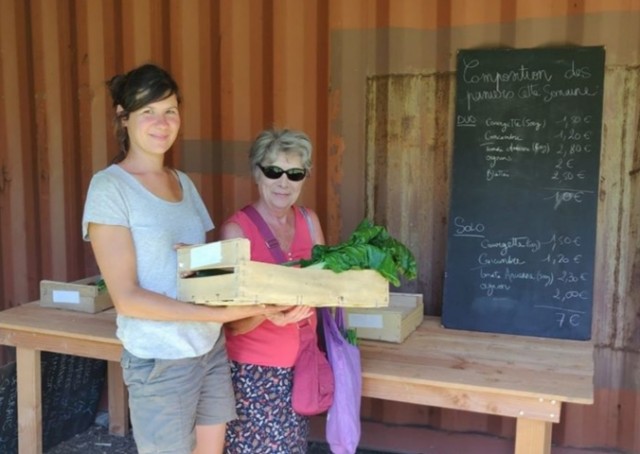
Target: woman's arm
[
  {"x": 115, "y": 254},
  {"x": 293, "y": 314}
]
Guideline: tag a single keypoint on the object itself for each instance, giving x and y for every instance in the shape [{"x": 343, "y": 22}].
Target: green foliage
[
  {"x": 102, "y": 286},
  {"x": 369, "y": 247},
  {"x": 351, "y": 336}
]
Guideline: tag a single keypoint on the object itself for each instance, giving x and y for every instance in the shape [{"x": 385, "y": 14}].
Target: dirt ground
[{"x": 97, "y": 440}]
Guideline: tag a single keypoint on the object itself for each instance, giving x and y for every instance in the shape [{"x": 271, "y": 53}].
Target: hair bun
[{"x": 116, "y": 86}]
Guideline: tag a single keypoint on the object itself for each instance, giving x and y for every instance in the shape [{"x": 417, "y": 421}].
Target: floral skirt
[{"x": 266, "y": 421}]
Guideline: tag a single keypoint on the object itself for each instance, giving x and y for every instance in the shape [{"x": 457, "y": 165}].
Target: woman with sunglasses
[{"x": 263, "y": 348}]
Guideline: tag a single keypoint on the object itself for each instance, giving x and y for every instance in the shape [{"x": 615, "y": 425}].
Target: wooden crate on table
[
  {"x": 393, "y": 323},
  {"x": 223, "y": 274},
  {"x": 83, "y": 295}
]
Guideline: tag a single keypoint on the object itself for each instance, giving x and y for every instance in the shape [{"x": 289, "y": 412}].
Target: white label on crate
[
  {"x": 208, "y": 254},
  {"x": 365, "y": 321},
  {"x": 66, "y": 296}
]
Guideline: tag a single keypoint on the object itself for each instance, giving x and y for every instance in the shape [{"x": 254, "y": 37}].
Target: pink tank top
[{"x": 268, "y": 344}]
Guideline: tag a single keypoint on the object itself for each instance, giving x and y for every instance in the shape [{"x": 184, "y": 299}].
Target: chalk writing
[{"x": 525, "y": 173}]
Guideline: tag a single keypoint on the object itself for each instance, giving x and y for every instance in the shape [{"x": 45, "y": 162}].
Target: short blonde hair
[{"x": 270, "y": 142}]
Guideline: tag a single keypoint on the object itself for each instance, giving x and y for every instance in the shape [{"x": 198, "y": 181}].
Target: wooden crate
[
  {"x": 393, "y": 323},
  {"x": 82, "y": 295},
  {"x": 235, "y": 279}
]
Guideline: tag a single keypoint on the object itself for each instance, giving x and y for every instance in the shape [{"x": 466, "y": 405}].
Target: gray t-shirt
[{"x": 117, "y": 198}]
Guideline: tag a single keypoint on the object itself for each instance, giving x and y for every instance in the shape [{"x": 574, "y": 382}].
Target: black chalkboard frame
[{"x": 525, "y": 174}]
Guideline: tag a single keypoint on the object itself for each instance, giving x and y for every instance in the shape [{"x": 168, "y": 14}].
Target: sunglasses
[{"x": 275, "y": 172}]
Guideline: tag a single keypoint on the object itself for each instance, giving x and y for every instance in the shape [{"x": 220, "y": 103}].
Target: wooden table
[
  {"x": 33, "y": 329},
  {"x": 522, "y": 377}
]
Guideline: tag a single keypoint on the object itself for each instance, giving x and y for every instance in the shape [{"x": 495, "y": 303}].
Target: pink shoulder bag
[{"x": 313, "y": 381}]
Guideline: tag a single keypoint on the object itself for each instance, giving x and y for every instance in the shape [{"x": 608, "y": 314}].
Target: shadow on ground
[{"x": 97, "y": 440}]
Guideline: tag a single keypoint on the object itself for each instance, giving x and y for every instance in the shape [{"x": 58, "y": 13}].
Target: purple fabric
[
  {"x": 267, "y": 234},
  {"x": 343, "y": 418}
]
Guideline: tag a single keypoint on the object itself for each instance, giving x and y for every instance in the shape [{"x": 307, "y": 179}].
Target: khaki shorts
[{"x": 168, "y": 398}]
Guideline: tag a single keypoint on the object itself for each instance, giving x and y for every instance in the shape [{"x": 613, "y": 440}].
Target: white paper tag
[
  {"x": 66, "y": 296},
  {"x": 208, "y": 254},
  {"x": 365, "y": 321}
]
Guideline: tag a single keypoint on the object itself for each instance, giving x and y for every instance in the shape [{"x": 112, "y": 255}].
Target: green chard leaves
[{"x": 369, "y": 247}]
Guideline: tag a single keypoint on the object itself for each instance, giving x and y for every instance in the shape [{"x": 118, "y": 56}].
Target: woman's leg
[
  {"x": 266, "y": 421},
  {"x": 162, "y": 402},
  {"x": 210, "y": 439},
  {"x": 216, "y": 403}
]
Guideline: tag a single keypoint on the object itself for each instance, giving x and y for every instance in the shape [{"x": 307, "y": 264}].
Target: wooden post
[
  {"x": 29, "y": 386},
  {"x": 118, "y": 405},
  {"x": 533, "y": 436}
]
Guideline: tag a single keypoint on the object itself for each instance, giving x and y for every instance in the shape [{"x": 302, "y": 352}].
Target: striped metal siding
[{"x": 247, "y": 64}]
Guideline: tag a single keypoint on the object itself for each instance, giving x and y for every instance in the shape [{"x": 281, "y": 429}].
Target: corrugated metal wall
[{"x": 317, "y": 65}]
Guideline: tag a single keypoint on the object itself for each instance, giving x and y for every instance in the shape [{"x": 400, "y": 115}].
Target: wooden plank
[
  {"x": 118, "y": 406},
  {"x": 432, "y": 327},
  {"x": 485, "y": 362},
  {"x": 444, "y": 358},
  {"x": 533, "y": 437},
  {"x": 33, "y": 319},
  {"x": 317, "y": 287},
  {"x": 525, "y": 351},
  {"x": 88, "y": 335},
  {"x": 68, "y": 345},
  {"x": 29, "y": 388},
  {"x": 499, "y": 354},
  {"x": 568, "y": 390},
  {"x": 219, "y": 254},
  {"x": 401, "y": 137},
  {"x": 451, "y": 360},
  {"x": 458, "y": 398},
  {"x": 238, "y": 280},
  {"x": 487, "y": 341}
]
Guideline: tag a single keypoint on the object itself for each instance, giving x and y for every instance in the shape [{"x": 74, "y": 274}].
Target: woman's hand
[
  {"x": 279, "y": 315},
  {"x": 239, "y": 313},
  {"x": 294, "y": 315}
]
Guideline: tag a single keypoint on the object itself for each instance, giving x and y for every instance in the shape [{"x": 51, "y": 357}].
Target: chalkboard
[
  {"x": 522, "y": 217},
  {"x": 71, "y": 391}
]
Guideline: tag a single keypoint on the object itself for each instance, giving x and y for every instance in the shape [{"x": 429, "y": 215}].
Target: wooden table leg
[
  {"x": 29, "y": 387},
  {"x": 533, "y": 436},
  {"x": 118, "y": 405}
]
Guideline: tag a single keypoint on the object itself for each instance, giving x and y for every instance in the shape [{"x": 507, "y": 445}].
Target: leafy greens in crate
[{"x": 369, "y": 247}]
